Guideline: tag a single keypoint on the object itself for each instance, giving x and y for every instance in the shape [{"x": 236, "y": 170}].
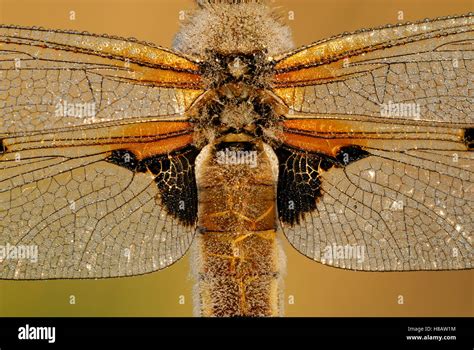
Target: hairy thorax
[{"x": 237, "y": 105}]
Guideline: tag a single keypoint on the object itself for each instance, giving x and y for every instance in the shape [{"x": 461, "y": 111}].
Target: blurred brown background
[{"x": 317, "y": 290}]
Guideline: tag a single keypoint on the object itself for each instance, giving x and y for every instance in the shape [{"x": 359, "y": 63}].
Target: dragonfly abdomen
[{"x": 237, "y": 261}]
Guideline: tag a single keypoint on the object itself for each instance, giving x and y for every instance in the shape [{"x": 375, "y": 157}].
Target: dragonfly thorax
[
  {"x": 253, "y": 68},
  {"x": 235, "y": 108}
]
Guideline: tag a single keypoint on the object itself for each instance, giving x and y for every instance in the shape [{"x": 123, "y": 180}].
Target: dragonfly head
[{"x": 232, "y": 26}]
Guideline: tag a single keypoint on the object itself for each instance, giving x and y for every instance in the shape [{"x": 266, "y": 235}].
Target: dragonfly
[{"x": 117, "y": 156}]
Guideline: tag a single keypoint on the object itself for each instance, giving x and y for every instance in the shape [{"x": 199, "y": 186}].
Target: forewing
[
  {"x": 102, "y": 195},
  {"x": 44, "y": 72},
  {"x": 367, "y": 190},
  {"x": 428, "y": 63}
]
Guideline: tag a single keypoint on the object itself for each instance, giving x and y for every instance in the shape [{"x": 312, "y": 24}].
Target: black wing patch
[
  {"x": 299, "y": 184},
  {"x": 174, "y": 176},
  {"x": 469, "y": 138}
]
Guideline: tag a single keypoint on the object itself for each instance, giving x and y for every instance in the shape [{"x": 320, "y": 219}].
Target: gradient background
[{"x": 317, "y": 290}]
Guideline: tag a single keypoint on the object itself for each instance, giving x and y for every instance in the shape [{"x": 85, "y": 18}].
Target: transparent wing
[
  {"x": 45, "y": 75},
  {"x": 428, "y": 63},
  {"x": 376, "y": 166},
  {"x": 101, "y": 195}
]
